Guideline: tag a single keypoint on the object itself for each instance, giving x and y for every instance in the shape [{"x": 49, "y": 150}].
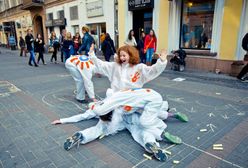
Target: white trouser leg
[
  {"x": 78, "y": 80},
  {"x": 92, "y": 133}
]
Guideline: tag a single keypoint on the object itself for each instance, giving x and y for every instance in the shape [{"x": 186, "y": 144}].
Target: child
[
  {"x": 126, "y": 72},
  {"x": 81, "y": 68}
]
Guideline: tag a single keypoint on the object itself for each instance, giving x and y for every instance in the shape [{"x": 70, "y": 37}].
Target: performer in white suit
[
  {"x": 82, "y": 68},
  {"x": 130, "y": 106}
]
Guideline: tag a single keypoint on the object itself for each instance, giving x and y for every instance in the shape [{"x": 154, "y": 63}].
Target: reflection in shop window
[{"x": 197, "y": 23}]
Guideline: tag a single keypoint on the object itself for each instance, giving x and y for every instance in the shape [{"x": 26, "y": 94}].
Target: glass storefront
[
  {"x": 196, "y": 24},
  {"x": 96, "y": 30}
]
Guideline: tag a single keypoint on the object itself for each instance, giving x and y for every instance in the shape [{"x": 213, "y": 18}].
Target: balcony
[{"x": 32, "y": 4}]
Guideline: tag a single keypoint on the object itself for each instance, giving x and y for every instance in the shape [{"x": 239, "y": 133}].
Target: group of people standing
[{"x": 146, "y": 45}]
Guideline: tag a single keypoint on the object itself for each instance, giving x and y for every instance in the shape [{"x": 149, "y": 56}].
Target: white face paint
[{"x": 124, "y": 57}]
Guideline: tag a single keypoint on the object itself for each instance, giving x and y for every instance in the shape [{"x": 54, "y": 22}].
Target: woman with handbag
[
  {"x": 108, "y": 47},
  {"x": 54, "y": 45},
  {"x": 150, "y": 46}
]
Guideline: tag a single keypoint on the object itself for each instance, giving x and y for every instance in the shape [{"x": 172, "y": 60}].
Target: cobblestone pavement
[{"x": 31, "y": 97}]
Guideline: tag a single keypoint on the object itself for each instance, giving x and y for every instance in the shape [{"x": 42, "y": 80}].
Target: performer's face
[{"x": 124, "y": 57}]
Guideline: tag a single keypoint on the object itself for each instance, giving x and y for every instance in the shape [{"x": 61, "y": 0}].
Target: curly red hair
[{"x": 132, "y": 52}]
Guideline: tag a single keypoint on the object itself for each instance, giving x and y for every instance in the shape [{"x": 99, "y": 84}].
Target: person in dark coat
[
  {"x": 22, "y": 46},
  {"x": 140, "y": 47},
  {"x": 243, "y": 72},
  {"x": 87, "y": 40},
  {"x": 108, "y": 47},
  {"x": 68, "y": 46},
  {"x": 39, "y": 48},
  {"x": 30, "y": 47}
]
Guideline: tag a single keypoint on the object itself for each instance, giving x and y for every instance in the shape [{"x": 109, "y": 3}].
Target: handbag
[{"x": 50, "y": 49}]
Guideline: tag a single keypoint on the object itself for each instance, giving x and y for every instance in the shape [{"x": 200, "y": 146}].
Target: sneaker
[
  {"x": 158, "y": 152},
  {"x": 182, "y": 117},
  {"x": 30, "y": 64},
  {"x": 76, "y": 138},
  {"x": 82, "y": 101},
  {"x": 166, "y": 136},
  {"x": 36, "y": 65}
]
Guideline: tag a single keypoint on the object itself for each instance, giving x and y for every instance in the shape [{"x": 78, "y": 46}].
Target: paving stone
[{"x": 27, "y": 134}]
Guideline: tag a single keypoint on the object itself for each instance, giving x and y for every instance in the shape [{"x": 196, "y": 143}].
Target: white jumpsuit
[
  {"x": 81, "y": 68},
  {"x": 146, "y": 101},
  {"x": 126, "y": 76}
]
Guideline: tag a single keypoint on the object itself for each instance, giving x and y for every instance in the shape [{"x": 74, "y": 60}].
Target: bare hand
[
  {"x": 56, "y": 122},
  {"x": 92, "y": 47},
  {"x": 163, "y": 55}
]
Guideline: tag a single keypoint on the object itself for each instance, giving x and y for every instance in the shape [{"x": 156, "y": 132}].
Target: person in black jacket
[
  {"x": 30, "y": 47},
  {"x": 22, "y": 46},
  {"x": 108, "y": 47},
  {"x": 140, "y": 47},
  {"x": 39, "y": 48},
  {"x": 241, "y": 75}
]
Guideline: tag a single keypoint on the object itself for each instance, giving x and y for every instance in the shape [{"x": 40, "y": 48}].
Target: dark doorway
[
  {"x": 39, "y": 26},
  {"x": 142, "y": 20}
]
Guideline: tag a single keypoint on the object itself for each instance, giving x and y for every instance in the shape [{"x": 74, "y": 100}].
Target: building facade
[
  {"x": 13, "y": 20},
  {"x": 98, "y": 15},
  {"x": 210, "y": 31}
]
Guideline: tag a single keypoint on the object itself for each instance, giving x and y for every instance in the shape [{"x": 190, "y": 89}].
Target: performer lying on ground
[
  {"x": 148, "y": 105},
  {"x": 81, "y": 68}
]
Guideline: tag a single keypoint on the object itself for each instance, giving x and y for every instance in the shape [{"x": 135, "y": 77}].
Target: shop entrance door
[{"x": 142, "y": 21}]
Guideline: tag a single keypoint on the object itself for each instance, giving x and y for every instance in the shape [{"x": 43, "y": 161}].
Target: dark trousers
[
  {"x": 243, "y": 71},
  {"x": 41, "y": 56},
  {"x": 54, "y": 56},
  {"x": 62, "y": 55},
  {"x": 23, "y": 49}
]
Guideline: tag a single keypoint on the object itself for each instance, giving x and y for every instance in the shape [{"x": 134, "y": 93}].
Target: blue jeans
[
  {"x": 149, "y": 54},
  {"x": 32, "y": 57}
]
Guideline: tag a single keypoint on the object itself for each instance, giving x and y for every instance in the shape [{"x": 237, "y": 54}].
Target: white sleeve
[
  {"x": 151, "y": 72},
  {"x": 102, "y": 67},
  {"x": 79, "y": 117}
]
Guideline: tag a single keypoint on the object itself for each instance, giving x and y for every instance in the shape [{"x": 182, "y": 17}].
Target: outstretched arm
[{"x": 102, "y": 67}]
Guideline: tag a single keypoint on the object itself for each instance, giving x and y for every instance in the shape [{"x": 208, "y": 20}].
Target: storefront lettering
[{"x": 140, "y": 4}]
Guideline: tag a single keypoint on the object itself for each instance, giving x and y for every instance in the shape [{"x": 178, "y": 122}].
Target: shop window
[
  {"x": 196, "y": 24},
  {"x": 74, "y": 12}
]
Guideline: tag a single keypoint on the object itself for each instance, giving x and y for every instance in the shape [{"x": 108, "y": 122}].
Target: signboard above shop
[
  {"x": 140, "y": 4},
  {"x": 94, "y": 9}
]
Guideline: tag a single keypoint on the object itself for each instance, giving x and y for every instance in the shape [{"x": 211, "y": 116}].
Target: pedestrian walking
[
  {"x": 242, "y": 75},
  {"x": 54, "y": 43},
  {"x": 61, "y": 41},
  {"x": 68, "y": 48},
  {"x": 140, "y": 47},
  {"x": 30, "y": 47},
  {"x": 76, "y": 42},
  {"x": 39, "y": 48},
  {"x": 87, "y": 40},
  {"x": 22, "y": 46},
  {"x": 150, "y": 46},
  {"x": 131, "y": 39},
  {"x": 108, "y": 47}
]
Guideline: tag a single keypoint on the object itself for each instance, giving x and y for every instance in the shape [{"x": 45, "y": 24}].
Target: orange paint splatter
[
  {"x": 82, "y": 65},
  {"x": 73, "y": 59},
  {"x": 77, "y": 62},
  {"x": 87, "y": 65},
  {"x": 127, "y": 108},
  {"x": 136, "y": 77}
]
